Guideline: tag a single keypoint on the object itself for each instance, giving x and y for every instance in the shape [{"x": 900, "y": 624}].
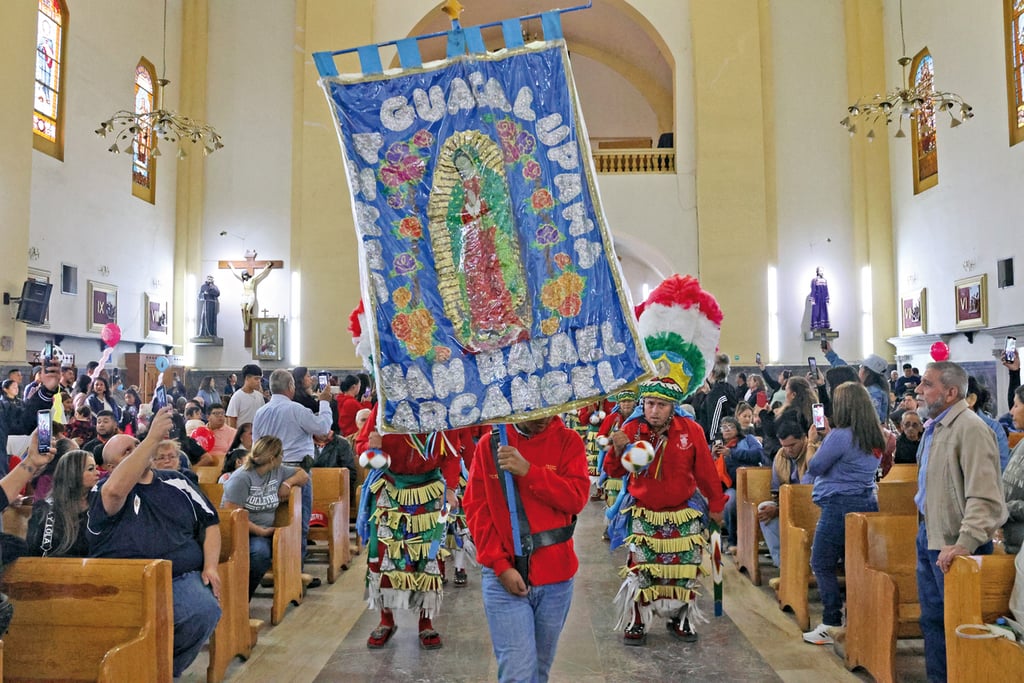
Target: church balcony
[{"x": 660, "y": 160}]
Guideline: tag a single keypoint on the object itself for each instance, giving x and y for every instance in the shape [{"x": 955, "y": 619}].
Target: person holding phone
[
  {"x": 57, "y": 527},
  {"x": 788, "y": 467},
  {"x": 734, "y": 450},
  {"x": 304, "y": 383},
  {"x": 719, "y": 400},
  {"x": 843, "y": 472}
]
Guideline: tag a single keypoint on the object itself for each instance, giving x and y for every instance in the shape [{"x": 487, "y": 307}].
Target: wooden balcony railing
[{"x": 661, "y": 160}]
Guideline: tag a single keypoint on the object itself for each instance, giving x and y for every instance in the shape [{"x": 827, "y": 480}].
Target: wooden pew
[
  {"x": 89, "y": 620},
  {"x": 978, "y": 592},
  {"x": 897, "y": 497},
  {"x": 287, "y": 556},
  {"x": 215, "y": 492},
  {"x": 232, "y": 637},
  {"x": 881, "y": 589},
  {"x": 331, "y": 494},
  {"x": 207, "y": 475},
  {"x": 753, "y": 486},
  {"x": 798, "y": 517},
  {"x": 901, "y": 472}
]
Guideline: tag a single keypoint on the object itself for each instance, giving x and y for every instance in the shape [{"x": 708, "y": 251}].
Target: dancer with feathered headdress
[{"x": 667, "y": 459}]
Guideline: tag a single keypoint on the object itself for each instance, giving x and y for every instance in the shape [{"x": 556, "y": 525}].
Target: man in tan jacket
[{"x": 959, "y": 496}]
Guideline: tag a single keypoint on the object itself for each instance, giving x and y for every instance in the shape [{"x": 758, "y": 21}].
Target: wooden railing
[{"x": 661, "y": 160}]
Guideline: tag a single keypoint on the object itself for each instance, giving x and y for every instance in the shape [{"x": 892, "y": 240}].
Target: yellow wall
[
  {"x": 323, "y": 249},
  {"x": 733, "y": 162},
  {"x": 871, "y": 195},
  {"x": 17, "y": 36}
]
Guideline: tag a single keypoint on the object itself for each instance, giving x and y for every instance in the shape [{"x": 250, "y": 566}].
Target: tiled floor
[{"x": 324, "y": 639}]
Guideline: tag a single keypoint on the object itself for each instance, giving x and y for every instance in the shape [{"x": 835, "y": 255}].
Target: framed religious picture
[
  {"x": 157, "y": 320},
  {"x": 102, "y": 311},
  {"x": 971, "y": 305},
  {"x": 913, "y": 313},
  {"x": 267, "y": 341}
]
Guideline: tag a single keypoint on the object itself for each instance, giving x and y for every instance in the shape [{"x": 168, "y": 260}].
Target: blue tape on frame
[
  {"x": 475, "y": 41},
  {"x": 513, "y": 32},
  {"x": 409, "y": 53},
  {"x": 325, "y": 65},
  {"x": 551, "y": 22},
  {"x": 369, "y": 59},
  {"x": 456, "y": 43}
]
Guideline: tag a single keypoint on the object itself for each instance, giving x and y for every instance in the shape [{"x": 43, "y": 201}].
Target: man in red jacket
[
  {"x": 667, "y": 523},
  {"x": 526, "y": 613}
]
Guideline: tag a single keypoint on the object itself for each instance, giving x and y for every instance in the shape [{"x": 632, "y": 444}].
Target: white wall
[
  {"x": 249, "y": 182},
  {"x": 83, "y": 212},
  {"x": 612, "y": 106},
  {"x": 812, "y": 175},
  {"x": 973, "y": 214}
]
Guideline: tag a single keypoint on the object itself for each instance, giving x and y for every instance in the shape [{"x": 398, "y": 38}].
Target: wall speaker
[
  {"x": 35, "y": 300},
  {"x": 1006, "y": 272}
]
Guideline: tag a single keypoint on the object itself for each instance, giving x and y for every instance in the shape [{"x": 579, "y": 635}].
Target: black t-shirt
[{"x": 165, "y": 519}]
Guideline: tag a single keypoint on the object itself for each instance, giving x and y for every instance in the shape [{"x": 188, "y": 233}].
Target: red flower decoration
[
  {"x": 442, "y": 353},
  {"x": 542, "y": 199},
  {"x": 562, "y": 259},
  {"x": 423, "y": 138},
  {"x": 410, "y": 227},
  {"x": 401, "y": 326},
  {"x": 570, "y": 306},
  {"x": 531, "y": 171}
]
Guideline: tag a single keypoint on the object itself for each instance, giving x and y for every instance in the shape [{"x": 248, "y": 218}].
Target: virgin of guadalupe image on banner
[{"x": 491, "y": 287}]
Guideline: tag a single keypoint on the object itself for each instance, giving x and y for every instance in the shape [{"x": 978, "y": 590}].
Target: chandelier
[
  {"x": 903, "y": 102},
  {"x": 167, "y": 126}
]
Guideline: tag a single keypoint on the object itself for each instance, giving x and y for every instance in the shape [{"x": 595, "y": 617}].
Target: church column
[
  {"x": 869, "y": 173},
  {"x": 191, "y": 175},
  {"x": 325, "y": 268},
  {"x": 735, "y": 165},
  {"x": 17, "y": 65}
]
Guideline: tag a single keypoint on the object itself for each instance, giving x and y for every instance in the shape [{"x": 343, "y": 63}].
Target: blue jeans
[
  {"x": 830, "y": 547},
  {"x": 260, "y": 560},
  {"x": 931, "y": 596},
  {"x": 524, "y": 631},
  {"x": 196, "y": 614},
  {"x": 770, "y": 531},
  {"x": 307, "y": 510}
]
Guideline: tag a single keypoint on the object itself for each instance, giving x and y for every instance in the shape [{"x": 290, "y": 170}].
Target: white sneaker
[{"x": 819, "y": 636}]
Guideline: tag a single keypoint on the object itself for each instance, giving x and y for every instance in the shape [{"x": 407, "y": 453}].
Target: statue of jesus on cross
[{"x": 245, "y": 272}]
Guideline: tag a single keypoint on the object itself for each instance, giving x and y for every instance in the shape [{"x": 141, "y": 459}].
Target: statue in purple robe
[{"x": 819, "y": 302}]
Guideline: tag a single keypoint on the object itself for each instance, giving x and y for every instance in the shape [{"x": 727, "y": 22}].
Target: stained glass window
[
  {"x": 143, "y": 163},
  {"x": 1015, "y": 68},
  {"x": 922, "y": 125},
  {"x": 48, "y": 115}
]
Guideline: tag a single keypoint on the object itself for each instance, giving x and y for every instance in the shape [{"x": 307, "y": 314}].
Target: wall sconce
[
  {"x": 103, "y": 270},
  {"x": 33, "y": 253},
  {"x": 156, "y": 282},
  {"x": 968, "y": 265}
]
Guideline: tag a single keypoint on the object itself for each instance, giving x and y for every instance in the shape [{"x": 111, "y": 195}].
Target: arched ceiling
[{"x": 611, "y": 32}]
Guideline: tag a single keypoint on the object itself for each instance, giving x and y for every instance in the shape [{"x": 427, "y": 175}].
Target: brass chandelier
[{"x": 903, "y": 102}]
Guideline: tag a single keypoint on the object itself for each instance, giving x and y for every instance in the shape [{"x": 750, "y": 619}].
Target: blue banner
[{"x": 491, "y": 285}]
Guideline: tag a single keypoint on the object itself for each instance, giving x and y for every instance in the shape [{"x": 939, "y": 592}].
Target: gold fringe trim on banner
[
  {"x": 667, "y": 545},
  {"x": 417, "y": 495},
  {"x": 674, "y": 516},
  {"x": 414, "y": 581}
]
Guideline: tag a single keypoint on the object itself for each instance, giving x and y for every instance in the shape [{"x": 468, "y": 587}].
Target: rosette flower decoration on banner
[
  {"x": 491, "y": 286},
  {"x": 681, "y": 325}
]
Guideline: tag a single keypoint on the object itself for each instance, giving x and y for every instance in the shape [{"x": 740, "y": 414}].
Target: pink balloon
[
  {"x": 940, "y": 351},
  {"x": 204, "y": 437},
  {"x": 110, "y": 334}
]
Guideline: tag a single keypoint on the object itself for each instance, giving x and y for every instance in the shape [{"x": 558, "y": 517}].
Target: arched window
[
  {"x": 922, "y": 124},
  {"x": 143, "y": 162},
  {"x": 1014, "y": 19},
  {"x": 48, "y": 117}
]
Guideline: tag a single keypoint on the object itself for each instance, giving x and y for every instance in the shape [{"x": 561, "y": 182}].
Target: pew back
[
  {"x": 89, "y": 619},
  {"x": 753, "y": 485},
  {"x": 798, "y": 517}
]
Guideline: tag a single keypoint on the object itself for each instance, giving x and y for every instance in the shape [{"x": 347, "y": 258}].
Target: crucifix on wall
[{"x": 245, "y": 272}]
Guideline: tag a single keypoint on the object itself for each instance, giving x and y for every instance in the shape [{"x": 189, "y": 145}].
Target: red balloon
[
  {"x": 204, "y": 437},
  {"x": 940, "y": 351},
  {"x": 110, "y": 334}
]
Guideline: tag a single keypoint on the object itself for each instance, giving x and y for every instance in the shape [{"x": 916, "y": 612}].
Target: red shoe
[
  {"x": 635, "y": 635},
  {"x": 430, "y": 639},
  {"x": 380, "y": 636}
]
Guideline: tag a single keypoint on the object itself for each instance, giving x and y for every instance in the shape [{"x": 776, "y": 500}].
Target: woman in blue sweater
[
  {"x": 843, "y": 473},
  {"x": 736, "y": 450}
]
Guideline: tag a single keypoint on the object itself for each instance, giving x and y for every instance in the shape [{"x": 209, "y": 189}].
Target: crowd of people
[{"x": 118, "y": 481}]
